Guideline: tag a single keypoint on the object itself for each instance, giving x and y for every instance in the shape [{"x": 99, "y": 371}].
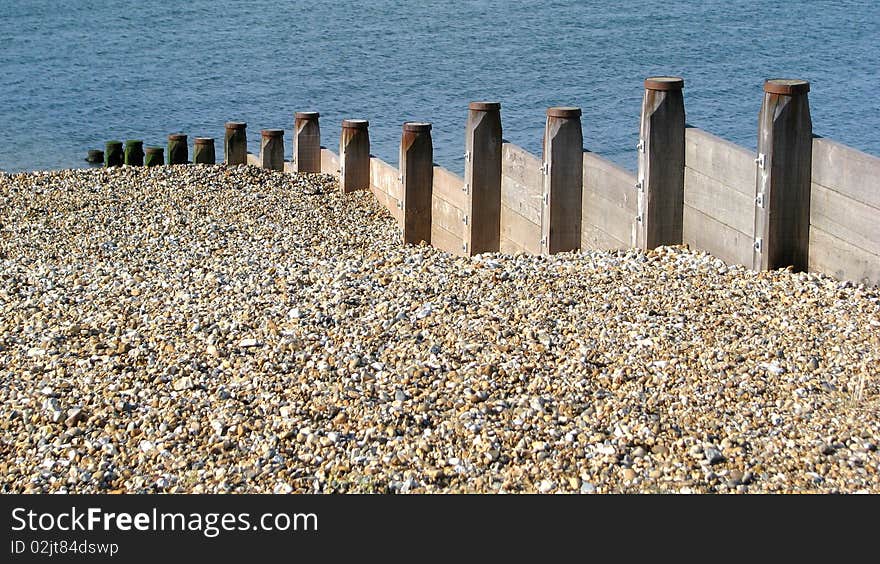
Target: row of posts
[
  {"x": 782, "y": 191},
  {"x": 782, "y": 202}
]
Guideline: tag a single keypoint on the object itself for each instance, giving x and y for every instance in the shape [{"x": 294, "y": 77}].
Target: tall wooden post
[
  {"x": 96, "y": 157},
  {"x": 307, "y": 142},
  {"x": 661, "y": 164},
  {"x": 134, "y": 152},
  {"x": 563, "y": 181},
  {"x": 178, "y": 152},
  {"x": 482, "y": 178},
  {"x": 203, "y": 151},
  {"x": 272, "y": 149},
  {"x": 113, "y": 153},
  {"x": 785, "y": 156},
  {"x": 417, "y": 177},
  {"x": 154, "y": 156},
  {"x": 354, "y": 155},
  {"x": 235, "y": 143}
]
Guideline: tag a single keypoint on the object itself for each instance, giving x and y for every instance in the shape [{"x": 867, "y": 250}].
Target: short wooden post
[
  {"x": 154, "y": 156},
  {"x": 417, "y": 177},
  {"x": 563, "y": 168},
  {"x": 96, "y": 157},
  {"x": 354, "y": 155},
  {"x": 203, "y": 151},
  {"x": 178, "y": 153},
  {"x": 235, "y": 143},
  {"x": 661, "y": 164},
  {"x": 272, "y": 149},
  {"x": 134, "y": 152},
  {"x": 307, "y": 142},
  {"x": 482, "y": 178},
  {"x": 113, "y": 153},
  {"x": 784, "y": 163}
]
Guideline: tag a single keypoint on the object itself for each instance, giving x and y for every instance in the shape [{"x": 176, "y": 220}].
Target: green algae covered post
[
  {"x": 134, "y": 152},
  {"x": 113, "y": 153},
  {"x": 203, "y": 151},
  {"x": 154, "y": 156},
  {"x": 178, "y": 153}
]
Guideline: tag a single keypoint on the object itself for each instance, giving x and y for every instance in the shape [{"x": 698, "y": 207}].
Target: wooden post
[
  {"x": 417, "y": 177},
  {"x": 96, "y": 157},
  {"x": 113, "y": 153},
  {"x": 134, "y": 152},
  {"x": 272, "y": 149},
  {"x": 563, "y": 169},
  {"x": 482, "y": 178},
  {"x": 203, "y": 151},
  {"x": 354, "y": 155},
  {"x": 155, "y": 156},
  {"x": 178, "y": 153},
  {"x": 235, "y": 143},
  {"x": 785, "y": 155},
  {"x": 661, "y": 164},
  {"x": 307, "y": 142}
]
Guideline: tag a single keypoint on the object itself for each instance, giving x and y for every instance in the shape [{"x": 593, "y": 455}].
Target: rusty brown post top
[
  {"x": 661, "y": 149},
  {"x": 307, "y": 142},
  {"x": 417, "y": 181},
  {"x": 272, "y": 132},
  {"x": 482, "y": 178},
  {"x": 354, "y": 155},
  {"x": 563, "y": 170},
  {"x": 784, "y": 174}
]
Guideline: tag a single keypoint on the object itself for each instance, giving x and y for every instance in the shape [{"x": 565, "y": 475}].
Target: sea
[{"x": 76, "y": 73}]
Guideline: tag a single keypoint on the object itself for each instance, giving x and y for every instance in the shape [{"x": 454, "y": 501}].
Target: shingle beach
[{"x": 230, "y": 329}]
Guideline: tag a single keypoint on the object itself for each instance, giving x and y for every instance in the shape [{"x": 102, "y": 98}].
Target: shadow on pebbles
[{"x": 229, "y": 329}]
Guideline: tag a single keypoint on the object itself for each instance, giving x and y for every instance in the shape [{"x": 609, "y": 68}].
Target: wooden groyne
[{"x": 799, "y": 201}]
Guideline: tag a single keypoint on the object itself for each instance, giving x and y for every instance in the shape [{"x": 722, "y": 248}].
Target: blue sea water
[{"x": 75, "y": 73}]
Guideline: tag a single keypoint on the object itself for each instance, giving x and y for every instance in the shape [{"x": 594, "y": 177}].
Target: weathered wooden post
[
  {"x": 785, "y": 157},
  {"x": 272, "y": 149},
  {"x": 307, "y": 142},
  {"x": 134, "y": 152},
  {"x": 235, "y": 143},
  {"x": 113, "y": 153},
  {"x": 96, "y": 156},
  {"x": 417, "y": 178},
  {"x": 178, "y": 153},
  {"x": 155, "y": 156},
  {"x": 482, "y": 178},
  {"x": 203, "y": 151},
  {"x": 354, "y": 155},
  {"x": 563, "y": 181},
  {"x": 661, "y": 164}
]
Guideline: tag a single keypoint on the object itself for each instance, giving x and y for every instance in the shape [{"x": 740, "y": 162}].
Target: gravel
[{"x": 229, "y": 329}]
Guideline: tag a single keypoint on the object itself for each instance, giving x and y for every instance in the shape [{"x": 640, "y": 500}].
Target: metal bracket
[
  {"x": 639, "y": 218},
  {"x": 465, "y": 188},
  {"x": 545, "y": 199},
  {"x": 759, "y": 200},
  {"x": 467, "y": 156},
  {"x": 759, "y": 243},
  {"x": 641, "y": 146},
  {"x": 640, "y": 186},
  {"x": 400, "y": 178},
  {"x": 543, "y": 241},
  {"x": 545, "y": 169},
  {"x": 761, "y": 160},
  {"x": 399, "y": 205},
  {"x": 464, "y": 219},
  {"x": 464, "y": 247}
]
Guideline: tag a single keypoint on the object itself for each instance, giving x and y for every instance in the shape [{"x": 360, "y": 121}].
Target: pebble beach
[{"x": 213, "y": 329}]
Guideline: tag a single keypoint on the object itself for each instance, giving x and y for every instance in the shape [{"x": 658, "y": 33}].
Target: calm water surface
[{"x": 77, "y": 73}]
